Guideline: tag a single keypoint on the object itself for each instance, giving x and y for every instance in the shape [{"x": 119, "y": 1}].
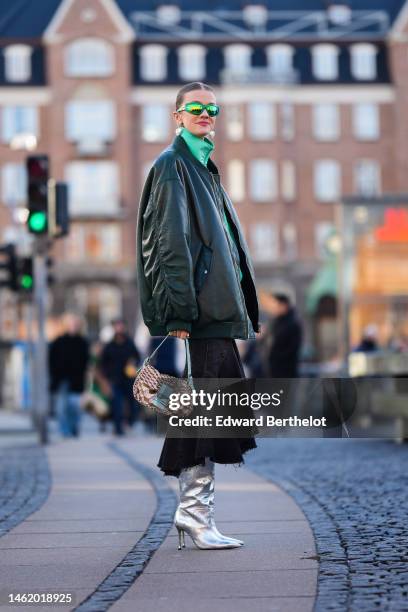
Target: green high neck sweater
[{"x": 202, "y": 148}]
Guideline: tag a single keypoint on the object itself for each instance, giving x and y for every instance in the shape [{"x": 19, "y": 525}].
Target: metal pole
[{"x": 41, "y": 350}]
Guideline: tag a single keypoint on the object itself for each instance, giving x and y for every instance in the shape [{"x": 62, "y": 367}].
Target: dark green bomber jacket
[{"x": 187, "y": 275}]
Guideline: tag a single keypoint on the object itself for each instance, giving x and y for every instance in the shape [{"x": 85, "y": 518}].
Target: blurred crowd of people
[{"x": 98, "y": 377}]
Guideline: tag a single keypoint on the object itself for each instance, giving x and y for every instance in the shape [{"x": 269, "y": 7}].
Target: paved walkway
[{"x": 90, "y": 538}]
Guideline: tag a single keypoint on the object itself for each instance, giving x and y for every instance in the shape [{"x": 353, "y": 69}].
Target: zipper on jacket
[{"x": 220, "y": 210}]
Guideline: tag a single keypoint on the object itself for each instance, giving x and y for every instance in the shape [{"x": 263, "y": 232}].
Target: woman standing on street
[{"x": 196, "y": 281}]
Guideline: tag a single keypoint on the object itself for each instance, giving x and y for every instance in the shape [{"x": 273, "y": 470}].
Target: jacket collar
[
  {"x": 181, "y": 146},
  {"x": 201, "y": 148}
]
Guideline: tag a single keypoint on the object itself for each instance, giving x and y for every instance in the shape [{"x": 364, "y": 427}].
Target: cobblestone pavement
[
  {"x": 24, "y": 483},
  {"x": 355, "y": 495}
]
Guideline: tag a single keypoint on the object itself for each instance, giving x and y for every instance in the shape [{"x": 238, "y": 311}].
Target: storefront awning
[{"x": 324, "y": 283}]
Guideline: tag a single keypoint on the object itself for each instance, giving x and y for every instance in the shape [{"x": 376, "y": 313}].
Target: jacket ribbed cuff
[{"x": 176, "y": 324}]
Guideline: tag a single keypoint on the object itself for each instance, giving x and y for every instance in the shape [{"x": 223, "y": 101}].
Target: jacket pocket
[{"x": 203, "y": 267}]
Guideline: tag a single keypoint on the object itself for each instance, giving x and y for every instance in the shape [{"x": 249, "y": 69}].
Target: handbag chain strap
[{"x": 188, "y": 359}]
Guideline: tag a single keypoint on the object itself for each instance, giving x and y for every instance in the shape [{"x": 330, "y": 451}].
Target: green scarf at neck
[{"x": 201, "y": 148}]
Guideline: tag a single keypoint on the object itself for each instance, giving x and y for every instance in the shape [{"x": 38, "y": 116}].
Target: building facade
[{"x": 313, "y": 109}]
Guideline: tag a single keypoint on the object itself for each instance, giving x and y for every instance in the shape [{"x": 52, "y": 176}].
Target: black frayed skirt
[{"x": 210, "y": 358}]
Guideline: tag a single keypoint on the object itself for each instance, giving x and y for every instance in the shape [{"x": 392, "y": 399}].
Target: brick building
[{"x": 313, "y": 108}]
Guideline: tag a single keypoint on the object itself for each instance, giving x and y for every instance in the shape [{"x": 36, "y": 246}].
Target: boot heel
[{"x": 181, "y": 538}]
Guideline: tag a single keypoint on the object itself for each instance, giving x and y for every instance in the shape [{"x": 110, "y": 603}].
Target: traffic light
[
  {"x": 58, "y": 214},
  {"x": 8, "y": 263},
  {"x": 38, "y": 175},
  {"x": 25, "y": 275}
]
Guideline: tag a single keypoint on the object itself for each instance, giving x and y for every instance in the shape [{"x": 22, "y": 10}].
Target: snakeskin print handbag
[{"x": 153, "y": 389}]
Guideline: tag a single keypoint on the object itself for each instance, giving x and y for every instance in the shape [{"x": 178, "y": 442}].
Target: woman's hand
[{"x": 180, "y": 333}]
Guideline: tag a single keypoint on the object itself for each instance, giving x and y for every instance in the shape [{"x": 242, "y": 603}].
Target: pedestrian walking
[
  {"x": 196, "y": 281},
  {"x": 68, "y": 361},
  {"x": 286, "y": 335},
  {"x": 118, "y": 363}
]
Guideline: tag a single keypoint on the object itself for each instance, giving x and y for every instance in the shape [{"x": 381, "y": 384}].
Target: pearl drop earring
[
  {"x": 212, "y": 134},
  {"x": 178, "y": 130}
]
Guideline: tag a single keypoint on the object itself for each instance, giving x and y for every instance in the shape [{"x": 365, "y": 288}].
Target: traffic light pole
[{"x": 41, "y": 405}]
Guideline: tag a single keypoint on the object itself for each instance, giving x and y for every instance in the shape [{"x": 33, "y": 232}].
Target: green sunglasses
[{"x": 196, "y": 108}]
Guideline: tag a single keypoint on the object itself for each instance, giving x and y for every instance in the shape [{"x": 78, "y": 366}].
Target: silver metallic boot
[{"x": 195, "y": 513}]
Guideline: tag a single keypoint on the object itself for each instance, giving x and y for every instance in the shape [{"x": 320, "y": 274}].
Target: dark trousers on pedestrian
[
  {"x": 210, "y": 358},
  {"x": 122, "y": 400}
]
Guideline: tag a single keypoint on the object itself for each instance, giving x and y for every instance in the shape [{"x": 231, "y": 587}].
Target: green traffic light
[
  {"x": 26, "y": 281},
  {"x": 37, "y": 222}
]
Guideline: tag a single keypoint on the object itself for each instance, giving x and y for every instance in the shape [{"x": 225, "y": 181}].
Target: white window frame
[
  {"x": 266, "y": 192},
  {"x": 280, "y": 59},
  {"x": 367, "y": 165},
  {"x": 17, "y": 63},
  {"x": 85, "y": 200},
  {"x": 236, "y": 179},
  {"x": 327, "y": 180},
  {"x": 363, "y": 130},
  {"x": 110, "y": 235},
  {"x": 287, "y": 121},
  {"x": 237, "y": 58},
  {"x": 234, "y": 122},
  {"x": 153, "y": 62},
  {"x": 267, "y": 251},
  {"x": 363, "y": 57},
  {"x": 325, "y": 62},
  {"x": 261, "y": 120},
  {"x": 288, "y": 180},
  {"x": 155, "y": 122},
  {"x": 191, "y": 62},
  {"x": 105, "y": 124},
  {"x": 10, "y": 120},
  {"x": 13, "y": 184},
  {"x": 326, "y": 122},
  {"x": 89, "y": 57},
  {"x": 290, "y": 241}
]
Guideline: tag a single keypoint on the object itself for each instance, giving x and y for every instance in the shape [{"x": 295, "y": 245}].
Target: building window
[
  {"x": 96, "y": 243},
  {"x": 327, "y": 180},
  {"x": 153, "y": 62},
  {"x": 237, "y": 58},
  {"x": 94, "y": 188},
  {"x": 263, "y": 180},
  {"x": 264, "y": 242},
  {"x": 99, "y": 303},
  {"x": 367, "y": 177},
  {"x": 288, "y": 180},
  {"x": 289, "y": 236},
  {"x": 19, "y": 120},
  {"x": 146, "y": 167},
  {"x": 261, "y": 120},
  {"x": 280, "y": 59},
  {"x": 236, "y": 179},
  {"x": 323, "y": 231},
  {"x": 364, "y": 61},
  {"x": 326, "y": 122},
  {"x": 191, "y": 62},
  {"x": 325, "y": 62},
  {"x": 366, "y": 121},
  {"x": 13, "y": 184},
  {"x": 155, "y": 122},
  {"x": 234, "y": 122},
  {"x": 90, "y": 119},
  {"x": 17, "y": 63},
  {"x": 287, "y": 120},
  {"x": 89, "y": 57}
]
